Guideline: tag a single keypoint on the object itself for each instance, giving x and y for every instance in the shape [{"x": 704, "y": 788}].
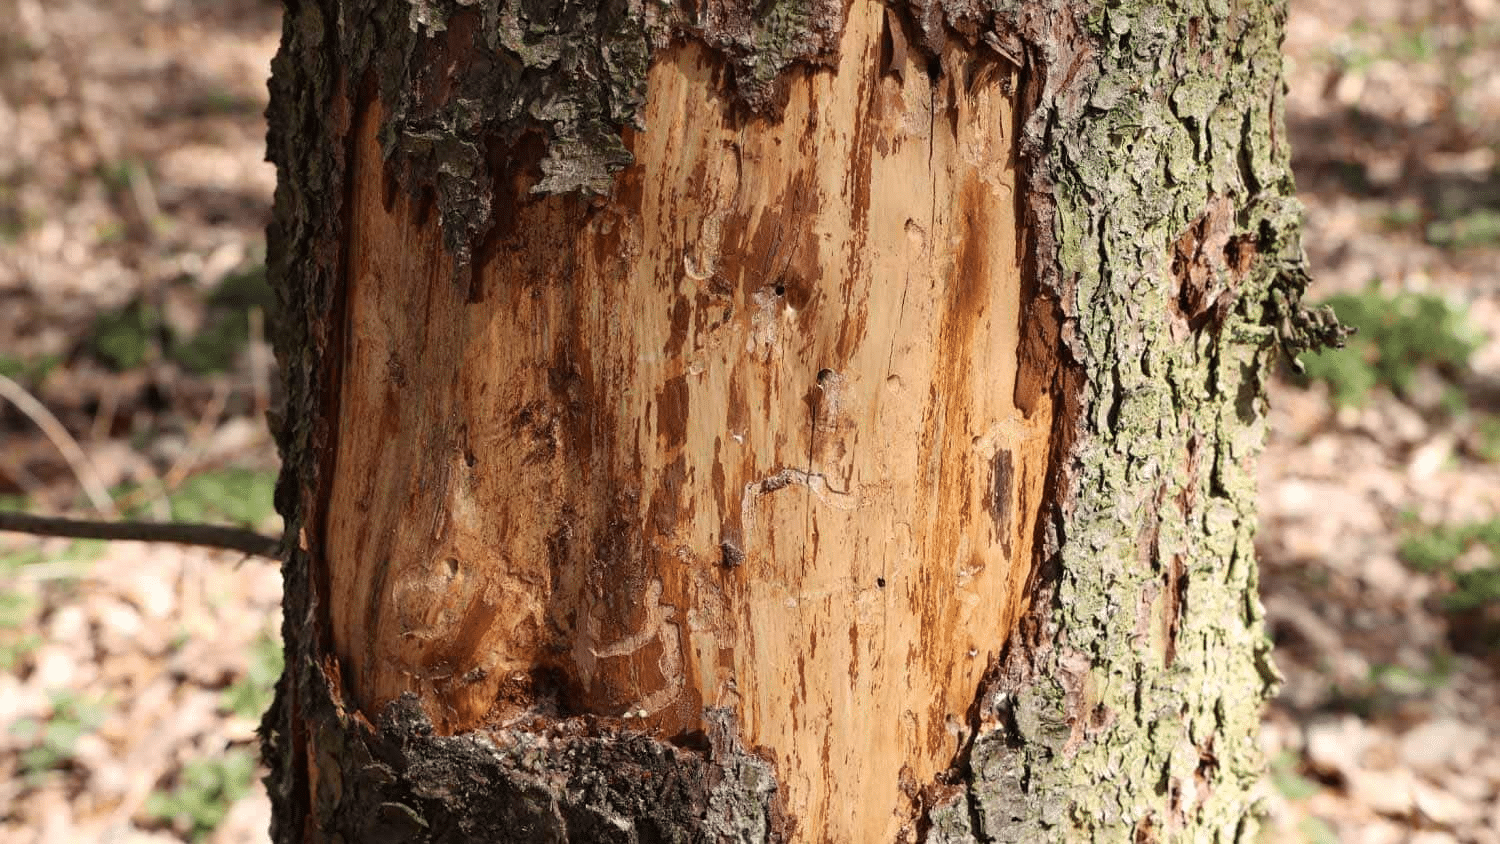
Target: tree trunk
[{"x": 775, "y": 421}]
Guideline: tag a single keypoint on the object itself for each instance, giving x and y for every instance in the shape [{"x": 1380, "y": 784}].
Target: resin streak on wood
[{"x": 745, "y": 435}]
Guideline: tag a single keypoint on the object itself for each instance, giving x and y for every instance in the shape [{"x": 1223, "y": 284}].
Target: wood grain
[{"x": 744, "y": 435}]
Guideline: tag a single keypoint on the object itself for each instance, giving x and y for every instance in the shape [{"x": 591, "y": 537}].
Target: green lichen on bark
[{"x": 1160, "y": 194}]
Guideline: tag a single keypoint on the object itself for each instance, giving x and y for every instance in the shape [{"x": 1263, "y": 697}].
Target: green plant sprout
[
  {"x": 1398, "y": 335},
  {"x": 205, "y": 790},
  {"x": 251, "y": 695},
  {"x": 52, "y": 740}
]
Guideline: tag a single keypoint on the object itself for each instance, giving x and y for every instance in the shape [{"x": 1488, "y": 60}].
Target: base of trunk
[{"x": 575, "y": 780}]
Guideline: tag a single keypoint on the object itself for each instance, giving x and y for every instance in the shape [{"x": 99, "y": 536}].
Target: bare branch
[{"x": 207, "y": 536}]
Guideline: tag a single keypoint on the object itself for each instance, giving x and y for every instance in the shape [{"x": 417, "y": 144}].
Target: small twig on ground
[
  {"x": 207, "y": 536},
  {"x": 144, "y": 195},
  {"x": 151, "y": 487},
  {"x": 161, "y": 487},
  {"x": 260, "y": 363},
  {"x": 198, "y": 440},
  {"x": 104, "y": 417},
  {"x": 78, "y": 461},
  {"x": 49, "y": 572}
]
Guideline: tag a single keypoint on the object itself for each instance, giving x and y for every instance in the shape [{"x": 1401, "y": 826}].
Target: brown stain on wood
[{"x": 732, "y": 438}]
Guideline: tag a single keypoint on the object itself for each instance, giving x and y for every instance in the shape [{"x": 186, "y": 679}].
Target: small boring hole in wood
[{"x": 934, "y": 70}]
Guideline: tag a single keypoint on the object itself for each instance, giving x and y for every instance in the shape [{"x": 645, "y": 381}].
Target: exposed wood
[{"x": 745, "y": 435}]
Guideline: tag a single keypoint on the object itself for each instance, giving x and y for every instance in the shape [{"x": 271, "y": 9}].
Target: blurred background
[{"x": 133, "y": 201}]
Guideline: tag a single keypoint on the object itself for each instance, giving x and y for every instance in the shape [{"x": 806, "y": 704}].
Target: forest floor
[{"x": 133, "y": 201}]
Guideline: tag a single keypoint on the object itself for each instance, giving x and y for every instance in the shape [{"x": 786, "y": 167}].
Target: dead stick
[
  {"x": 207, "y": 536},
  {"x": 63, "y": 441}
]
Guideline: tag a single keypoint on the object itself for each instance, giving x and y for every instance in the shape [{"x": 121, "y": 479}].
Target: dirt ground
[{"x": 133, "y": 201}]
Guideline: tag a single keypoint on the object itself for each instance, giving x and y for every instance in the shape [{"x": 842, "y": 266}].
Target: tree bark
[{"x": 785, "y": 421}]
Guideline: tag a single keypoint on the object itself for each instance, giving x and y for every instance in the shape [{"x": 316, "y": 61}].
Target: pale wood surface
[{"x": 744, "y": 435}]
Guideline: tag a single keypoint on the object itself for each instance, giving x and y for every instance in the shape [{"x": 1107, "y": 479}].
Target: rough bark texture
[
  {"x": 1159, "y": 224},
  {"x": 1127, "y": 707}
]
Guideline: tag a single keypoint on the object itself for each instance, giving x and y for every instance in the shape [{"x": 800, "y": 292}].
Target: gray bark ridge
[{"x": 1160, "y": 194}]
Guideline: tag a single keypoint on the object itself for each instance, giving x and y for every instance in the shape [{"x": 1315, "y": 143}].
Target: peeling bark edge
[{"x": 459, "y": 78}]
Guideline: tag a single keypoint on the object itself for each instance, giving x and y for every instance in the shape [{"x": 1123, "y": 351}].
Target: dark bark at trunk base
[{"x": 578, "y": 780}]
